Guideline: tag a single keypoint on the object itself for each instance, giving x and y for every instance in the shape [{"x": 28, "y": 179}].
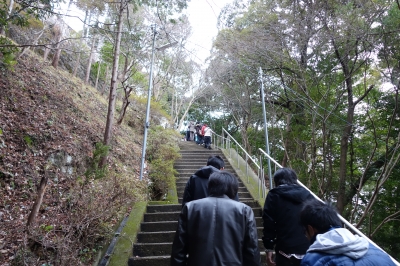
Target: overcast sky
[{"x": 202, "y": 15}]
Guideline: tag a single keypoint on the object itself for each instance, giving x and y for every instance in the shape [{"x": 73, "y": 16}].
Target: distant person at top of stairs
[
  {"x": 187, "y": 138},
  {"x": 207, "y": 136},
  {"x": 282, "y": 229},
  {"x": 331, "y": 244},
  {"x": 192, "y": 130},
  {"x": 217, "y": 230},
  {"x": 196, "y": 187},
  {"x": 198, "y": 133}
]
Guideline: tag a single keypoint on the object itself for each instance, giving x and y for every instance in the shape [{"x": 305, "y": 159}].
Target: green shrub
[
  {"x": 94, "y": 171},
  {"x": 162, "y": 152},
  {"x": 8, "y": 51}
]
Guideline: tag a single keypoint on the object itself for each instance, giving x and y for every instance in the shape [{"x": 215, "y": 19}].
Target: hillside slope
[{"x": 50, "y": 123}]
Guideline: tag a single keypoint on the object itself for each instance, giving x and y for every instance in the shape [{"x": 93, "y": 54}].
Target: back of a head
[
  {"x": 216, "y": 161},
  {"x": 223, "y": 183},
  {"x": 319, "y": 215},
  {"x": 285, "y": 176}
]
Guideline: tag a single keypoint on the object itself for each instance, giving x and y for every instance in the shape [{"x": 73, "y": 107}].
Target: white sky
[{"x": 202, "y": 15}]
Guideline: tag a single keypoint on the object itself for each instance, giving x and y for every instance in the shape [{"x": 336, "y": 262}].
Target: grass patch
[{"x": 123, "y": 248}]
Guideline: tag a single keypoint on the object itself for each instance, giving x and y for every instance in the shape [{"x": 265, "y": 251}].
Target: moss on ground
[{"x": 123, "y": 249}]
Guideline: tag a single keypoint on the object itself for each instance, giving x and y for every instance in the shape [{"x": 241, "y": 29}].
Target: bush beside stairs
[{"x": 157, "y": 230}]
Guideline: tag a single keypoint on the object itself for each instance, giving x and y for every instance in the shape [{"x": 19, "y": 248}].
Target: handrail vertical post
[
  {"x": 237, "y": 154},
  {"x": 258, "y": 181},
  {"x": 265, "y": 127},
  {"x": 247, "y": 169}
]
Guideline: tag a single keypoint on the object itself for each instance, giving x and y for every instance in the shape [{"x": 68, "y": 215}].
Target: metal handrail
[
  {"x": 261, "y": 179},
  {"x": 347, "y": 223},
  {"x": 225, "y": 143}
]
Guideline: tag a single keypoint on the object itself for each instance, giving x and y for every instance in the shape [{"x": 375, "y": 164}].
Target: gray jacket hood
[{"x": 340, "y": 241}]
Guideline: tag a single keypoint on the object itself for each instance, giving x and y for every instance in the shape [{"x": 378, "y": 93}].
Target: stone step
[
  {"x": 152, "y": 249},
  {"x": 184, "y": 179},
  {"x": 162, "y": 216},
  {"x": 163, "y": 260},
  {"x": 200, "y": 150},
  {"x": 150, "y": 261},
  {"x": 194, "y": 168},
  {"x": 156, "y": 237},
  {"x": 173, "y": 225},
  {"x": 159, "y": 226},
  {"x": 181, "y": 186},
  {"x": 200, "y": 153},
  {"x": 163, "y": 249},
  {"x": 163, "y": 208},
  {"x": 157, "y": 230}
]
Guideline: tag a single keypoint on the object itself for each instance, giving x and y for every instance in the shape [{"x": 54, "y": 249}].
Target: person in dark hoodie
[
  {"x": 196, "y": 187},
  {"x": 282, "y": 230}
]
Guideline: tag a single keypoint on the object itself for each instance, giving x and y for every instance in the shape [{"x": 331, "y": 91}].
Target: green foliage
[
  {"x": 8, "y": 51},
  {"x": 94, "y": 171},
  {"x": 46, "y": 227},
  {"x": 28, "y": 140},
  {"x": 24, "y": 11},
  {"x": 162, "y": 152},
  {"x": 107, "y": 52},
  {"x": 94, "y": 69}
]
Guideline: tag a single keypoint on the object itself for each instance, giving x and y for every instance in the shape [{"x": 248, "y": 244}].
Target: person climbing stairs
[{"x": 157, "y": 230}]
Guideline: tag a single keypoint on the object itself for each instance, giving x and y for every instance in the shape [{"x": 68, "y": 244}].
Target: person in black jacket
[
  {"x": 216, "y": 230},
  {"x": 196, "y": 187},
  {"x": 282, "y": 229}
]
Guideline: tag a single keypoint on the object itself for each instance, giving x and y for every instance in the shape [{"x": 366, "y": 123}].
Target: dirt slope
[{"x": 49, "y": 125}]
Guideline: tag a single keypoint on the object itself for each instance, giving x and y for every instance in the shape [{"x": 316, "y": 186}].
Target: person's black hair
[
  {"x": 216, "y": 161},
  {"x": 285, "y": 176},
  {"x": 321, "y": 216},
  {"x": 223, "y": 183}
]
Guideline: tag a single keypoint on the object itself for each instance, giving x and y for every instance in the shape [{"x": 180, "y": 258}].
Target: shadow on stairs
[{"x": 157, "y": 230}]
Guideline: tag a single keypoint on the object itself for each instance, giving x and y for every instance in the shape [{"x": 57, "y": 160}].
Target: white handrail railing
[
  {"x": 347, "y": 223},
  {"x": 225, "y": 143}
]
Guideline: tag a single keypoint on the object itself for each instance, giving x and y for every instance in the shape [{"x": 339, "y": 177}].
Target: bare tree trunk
[
  {"x": 113, "y": 86},
  {"x": 34, "y": 43},
  {"x": 125, "y": 104},
  {"x": 186, "y": 112},
  {"x": 97, "y": 76},
  {"x": 285, "y": 159},
  {"x": 10, "y": 9},
  {"x": 106, "y": 78},
  {"x": 56, "y": 56},
  {"x": 46, "y": 53},
  {"x": 85, "y": 23},
  {"x": 38, "y": 201},
  {"x": 78, "y": 60},
  {"x": 89, "y": 65}
]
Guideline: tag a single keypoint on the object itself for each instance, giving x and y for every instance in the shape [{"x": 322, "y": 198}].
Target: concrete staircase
[{"x": 157, "y": 231}]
